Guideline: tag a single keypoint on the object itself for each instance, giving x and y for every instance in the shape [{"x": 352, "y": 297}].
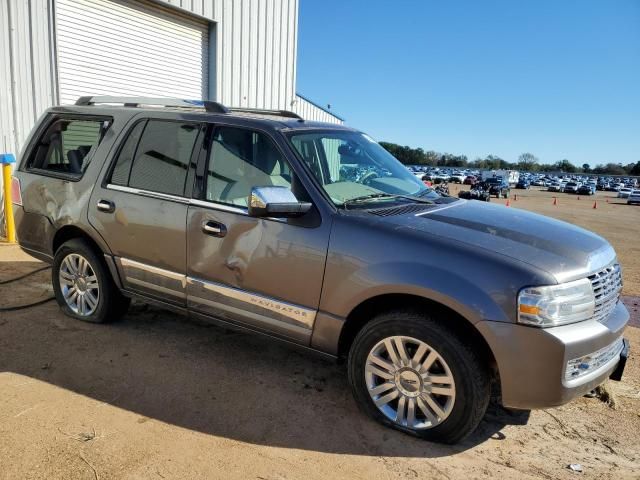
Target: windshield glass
[{"x": 351, "y": 166}]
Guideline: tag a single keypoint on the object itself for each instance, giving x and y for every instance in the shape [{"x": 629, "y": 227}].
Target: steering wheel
[{"x": 367, "y": 177}]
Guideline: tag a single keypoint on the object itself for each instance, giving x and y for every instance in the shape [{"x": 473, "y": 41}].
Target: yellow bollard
[{"x": 6, "y": 160}]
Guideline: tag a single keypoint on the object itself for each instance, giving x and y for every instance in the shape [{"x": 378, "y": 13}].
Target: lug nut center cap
[
  {"x": 409, "y": 382},
  {"x": 81, "y": 285}
]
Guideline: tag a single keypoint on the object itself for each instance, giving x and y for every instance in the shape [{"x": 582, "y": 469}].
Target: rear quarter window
[{"x": 67, "y": 146}]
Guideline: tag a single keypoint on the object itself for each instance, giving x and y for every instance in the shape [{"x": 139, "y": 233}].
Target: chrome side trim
[
  {"x": 153, "y": 278},
  {"x": 148, "y": 193},
  {"x": 215, "y": 294},
  {"x": 218, "y": 206}
]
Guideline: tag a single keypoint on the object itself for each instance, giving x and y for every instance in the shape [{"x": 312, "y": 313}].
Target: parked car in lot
[
  {"x": 634, "y": 197},
  {"x": 555, "y": 187},
  {"x": 571, "y": 187},
  {"x": 624, "y": 192},
  {"x": 586, "y": 189},
  {"x": 523, "y": 184},
  {"x": 241, "y": 218},
  {"x": 498, "y": 187},
  {"x": 477, "y": 192},
  {"x": 470, "y": 180}
]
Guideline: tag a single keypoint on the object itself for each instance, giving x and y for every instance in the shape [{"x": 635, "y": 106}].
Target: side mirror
[{"x": 277, "y": 202}]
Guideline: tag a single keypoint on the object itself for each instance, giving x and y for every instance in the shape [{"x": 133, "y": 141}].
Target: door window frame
[
  {"x": 204, "y": 160},
  {"x": 193, "y": 161}
]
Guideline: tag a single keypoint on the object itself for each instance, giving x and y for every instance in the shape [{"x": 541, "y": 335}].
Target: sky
[{"x": 559, "y": 79}]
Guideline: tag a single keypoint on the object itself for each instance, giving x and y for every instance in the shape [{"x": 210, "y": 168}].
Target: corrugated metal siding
[
  {"x": 27, "y": 73},
  {"x": 112, "y": 47},
  {"x": 244, "y": 76},
  {"x": 256, "y": 49},
  {"x": 310, "y": 111}
]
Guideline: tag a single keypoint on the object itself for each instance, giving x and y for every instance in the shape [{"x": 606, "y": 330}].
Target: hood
[{"x": 559, "y": 248}]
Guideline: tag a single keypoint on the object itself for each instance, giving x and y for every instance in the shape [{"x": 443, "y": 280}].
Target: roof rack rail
[
  {"x": 212, "y": 107},
  {"x": 279, "y": 113}
]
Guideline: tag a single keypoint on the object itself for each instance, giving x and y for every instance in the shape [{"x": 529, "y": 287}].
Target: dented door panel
[{"x": 263, "y": 273}]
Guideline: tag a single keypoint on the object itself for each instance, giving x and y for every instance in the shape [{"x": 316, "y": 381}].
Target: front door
[
  {"x": 262, "y": 273},
  {"x": 141, "y": 208}
]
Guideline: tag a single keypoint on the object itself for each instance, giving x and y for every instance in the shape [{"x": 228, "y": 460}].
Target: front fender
[
  {"x": 371, "y": 258},
  {"x": 441, "y": 285}
]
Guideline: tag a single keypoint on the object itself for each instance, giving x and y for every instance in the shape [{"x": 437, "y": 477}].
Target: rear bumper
[{"x": 532, "y": 361}]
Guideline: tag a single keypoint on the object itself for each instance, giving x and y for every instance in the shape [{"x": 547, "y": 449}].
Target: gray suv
[{"x": 313, "y": 234}]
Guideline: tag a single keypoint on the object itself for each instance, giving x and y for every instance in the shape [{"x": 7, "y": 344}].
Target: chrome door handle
[
  {"x": 106, "y": 206},
  {"x": 214, "y": 229}
]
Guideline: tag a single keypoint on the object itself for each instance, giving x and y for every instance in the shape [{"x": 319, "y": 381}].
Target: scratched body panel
[{"x": 277, "y": 266}]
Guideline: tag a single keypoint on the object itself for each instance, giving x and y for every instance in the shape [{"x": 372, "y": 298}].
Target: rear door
[
  {"x": 265, "y": 274},
  {"x": 141, "y": 207}
]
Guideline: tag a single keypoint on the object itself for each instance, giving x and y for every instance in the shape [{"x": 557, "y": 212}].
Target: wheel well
[
  {"x": 372, "y": 307},
  {"x": 70, "y": 232}
]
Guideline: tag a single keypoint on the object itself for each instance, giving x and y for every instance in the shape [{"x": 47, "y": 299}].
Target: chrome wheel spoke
[
  {"x": 400, "y": 413},
  {"x": 68, "y": 265},
  {"x": 437, "y": 409},
  {"x": 381, "y": 363},
  {"x": 411, "y": 412},
  {"x": 92, "y": 301},
  {"x": 429, "y": 361},
  {"x": 427, "y": 413},
  {"x": 440, "y": 379},
  {"x": 380, "y": 389},
  {"x": 391, "y": 350},
  {"x": 417, "y": 357},
  {"x": 387, "y": 398},
  {"x": 380, "y": 373},
  {"x": 402, "y": 351},
  {"x": 66, "y": 277},
  {"x": 92, "y": 282}
]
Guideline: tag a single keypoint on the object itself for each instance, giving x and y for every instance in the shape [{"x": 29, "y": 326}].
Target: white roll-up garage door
[{"x": 134, "y": 48}]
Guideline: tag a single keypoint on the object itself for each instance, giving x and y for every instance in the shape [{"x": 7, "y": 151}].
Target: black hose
[
  {"x": 4, "y": 282},
  {"x": 28, "y": 305},
  {"x": 34, "y": 304}
]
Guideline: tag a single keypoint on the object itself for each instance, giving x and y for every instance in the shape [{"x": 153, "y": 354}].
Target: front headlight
[{"x": 556, "y": 304}]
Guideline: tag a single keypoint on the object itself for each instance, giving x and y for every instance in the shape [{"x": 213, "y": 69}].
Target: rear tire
[
  {"x": 461, "y": 393},
  {"x": 83, "y": 285}
]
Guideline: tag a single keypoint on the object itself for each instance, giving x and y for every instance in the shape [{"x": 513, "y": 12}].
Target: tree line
[{"x": 526, "y": 162}]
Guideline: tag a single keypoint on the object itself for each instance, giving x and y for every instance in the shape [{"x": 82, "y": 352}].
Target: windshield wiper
[{"x": 373, "y": 196}]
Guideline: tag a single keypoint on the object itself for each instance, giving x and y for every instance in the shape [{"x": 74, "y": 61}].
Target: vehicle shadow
[{"x": 228, "y": 384}]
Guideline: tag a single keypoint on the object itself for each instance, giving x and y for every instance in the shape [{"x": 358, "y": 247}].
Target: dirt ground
[{"x": 159, "y": 396}]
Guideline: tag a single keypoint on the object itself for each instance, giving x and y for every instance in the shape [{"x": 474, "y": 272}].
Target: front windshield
[{"x": 351, "y": 166}]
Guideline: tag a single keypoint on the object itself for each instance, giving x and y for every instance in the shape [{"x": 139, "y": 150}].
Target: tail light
[{"x": 16, "y": 193}]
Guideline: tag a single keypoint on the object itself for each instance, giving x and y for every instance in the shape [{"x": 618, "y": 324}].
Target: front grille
[{"x": 606, "y": 284}]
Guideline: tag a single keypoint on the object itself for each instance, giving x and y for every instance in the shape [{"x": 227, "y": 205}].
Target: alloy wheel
[
  {"x": 79, "y": 284},
  {"x": 409, "y": 382}
]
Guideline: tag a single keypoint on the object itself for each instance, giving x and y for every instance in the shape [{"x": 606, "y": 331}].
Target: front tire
[
  {"x": 411, "y": 373},
  {"x": 83, "y": 285}
]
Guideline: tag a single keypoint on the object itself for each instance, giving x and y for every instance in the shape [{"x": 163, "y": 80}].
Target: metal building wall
[
  {"x": 256, "y": 49},
  {"x": 310, "y": 111},
  {"x": 27, "y": 73},
  {"x": 253, "y": 59}
]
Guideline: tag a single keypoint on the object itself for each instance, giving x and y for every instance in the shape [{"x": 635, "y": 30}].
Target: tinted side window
[
  {"x": 242, "y": 159},
  {"x": 67, "y": 146},
  {"x": 162, "y": 157},
  {"x": 120, "y": 175}
]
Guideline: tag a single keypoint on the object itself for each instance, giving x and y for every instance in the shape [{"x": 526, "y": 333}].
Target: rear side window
[
  {"x": 67, "y": 146},
  {"x": 156, "y": 156}
]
